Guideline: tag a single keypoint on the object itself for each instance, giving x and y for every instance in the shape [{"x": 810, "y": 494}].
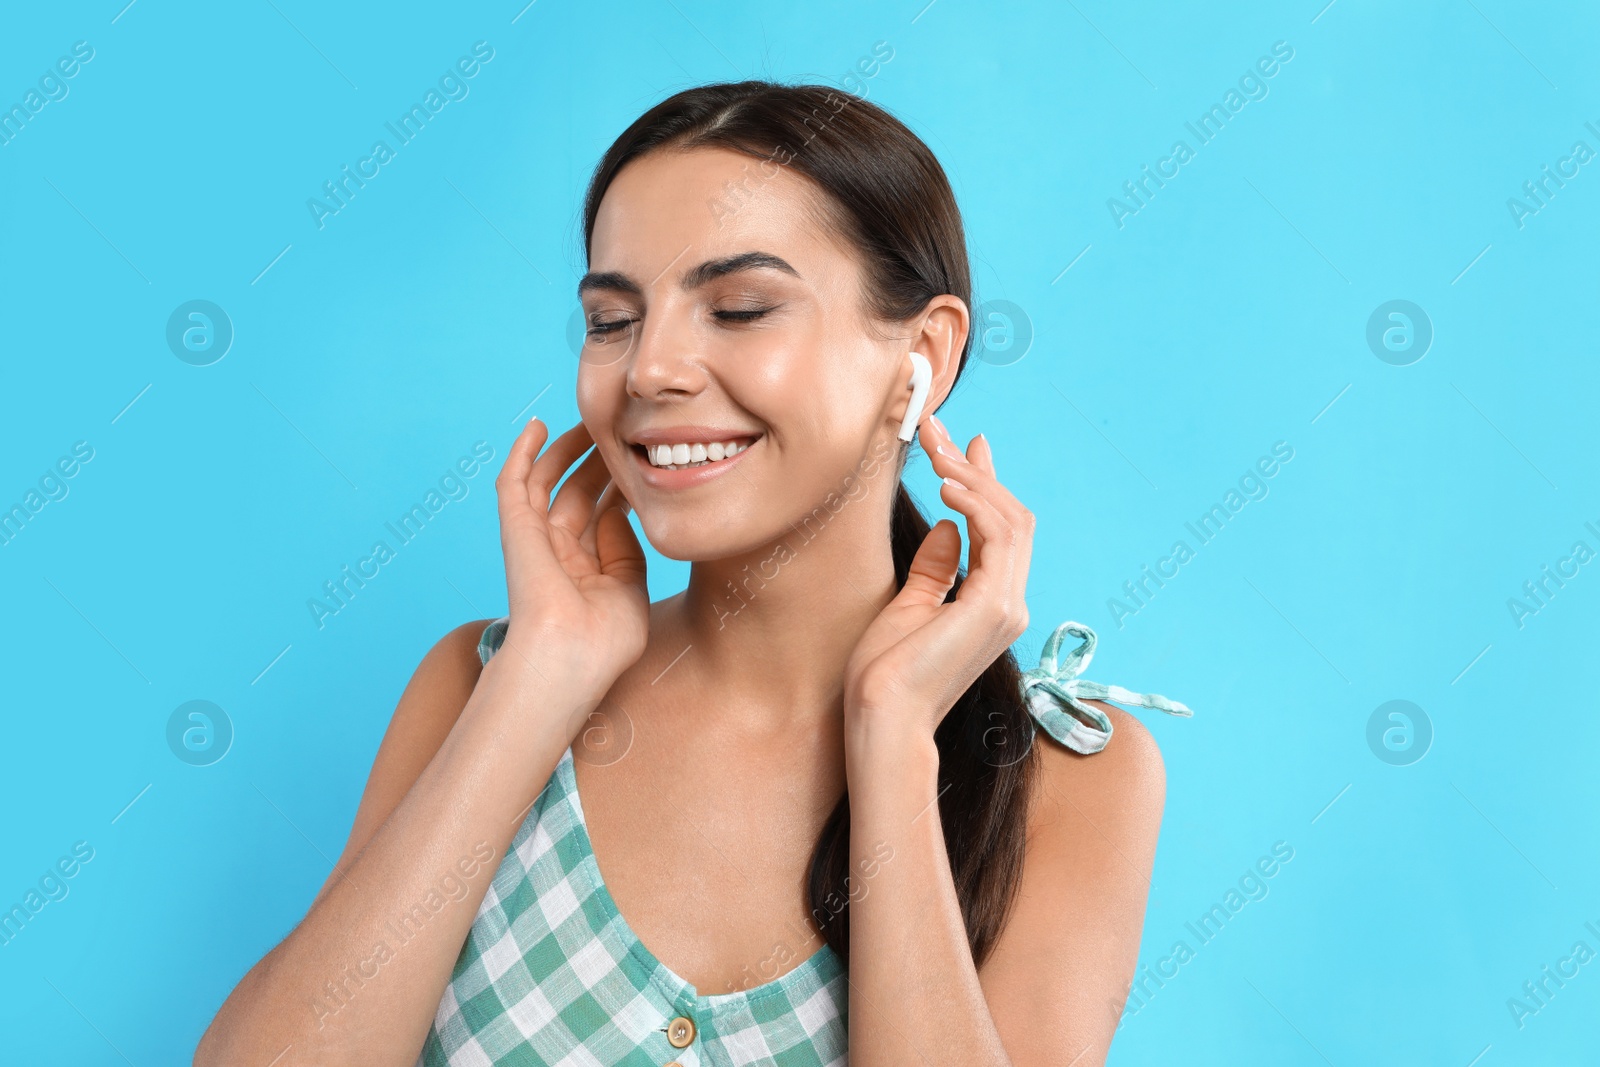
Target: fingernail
[
  {"x": 935, "y": 420},
  {"x": 952, "y": 481},
  {"x": 943, "y": 451}
]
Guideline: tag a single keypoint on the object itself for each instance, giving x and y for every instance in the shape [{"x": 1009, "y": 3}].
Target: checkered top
[{"x": 551, "y": 974}]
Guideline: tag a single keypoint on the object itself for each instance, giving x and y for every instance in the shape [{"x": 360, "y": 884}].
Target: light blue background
[{"x": 1229, "y": 313}]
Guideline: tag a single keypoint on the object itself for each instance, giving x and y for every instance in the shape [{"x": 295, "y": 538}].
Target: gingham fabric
[
  {"x": 552, "y": 976},
  {"x": 1056, "y": 695}
]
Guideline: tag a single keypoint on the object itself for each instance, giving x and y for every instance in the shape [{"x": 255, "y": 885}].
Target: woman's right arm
[
  {"x": 465, "y": 756},
  {"x": 359, "y": 979}
]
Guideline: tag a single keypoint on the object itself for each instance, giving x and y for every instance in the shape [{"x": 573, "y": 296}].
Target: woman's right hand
[{"x": 575, "y": 572}]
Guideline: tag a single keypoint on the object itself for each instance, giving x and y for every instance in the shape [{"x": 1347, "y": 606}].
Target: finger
[
  {"x": 609, "y": 497},
  {"x": 574, "y": 505},
  {"x": 933, "y": 568},
  {"x": 511, "y": 484},
  {"x": 945, "y": 636},
  {"x": 980, "y": 453},
  {"x": 548, "y": 469},
  {"x": 997, "y": 569},
  {"x": 948, "y": 460},
  {"x": 970, "y": 631},
  {"x": 999, "y": 528},
  {"x": 523, "y": 538},
  {"x": 944, "y": 447},
  {"x": 618, "y": 549}
]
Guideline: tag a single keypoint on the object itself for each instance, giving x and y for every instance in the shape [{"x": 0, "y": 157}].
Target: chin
[{"x": 696, "y": 539}]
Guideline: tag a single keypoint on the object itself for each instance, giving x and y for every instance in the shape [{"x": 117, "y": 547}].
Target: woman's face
[{"x": 720, "y": 310}]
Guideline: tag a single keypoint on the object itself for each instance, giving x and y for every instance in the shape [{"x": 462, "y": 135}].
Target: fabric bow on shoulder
[{"x": 1055, "y": 694}]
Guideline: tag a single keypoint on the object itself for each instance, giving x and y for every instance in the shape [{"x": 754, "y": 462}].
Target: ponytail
[{"x": 987, "y": 764}]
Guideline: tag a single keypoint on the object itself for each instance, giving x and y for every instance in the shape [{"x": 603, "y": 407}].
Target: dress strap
[{"x": 1055, "y": 694}]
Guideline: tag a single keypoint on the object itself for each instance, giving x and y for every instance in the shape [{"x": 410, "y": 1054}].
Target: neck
[{"x": 770, "y": 631}]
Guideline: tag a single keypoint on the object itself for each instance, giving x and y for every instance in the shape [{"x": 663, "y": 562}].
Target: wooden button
[{"x": 680, "y": 1032}]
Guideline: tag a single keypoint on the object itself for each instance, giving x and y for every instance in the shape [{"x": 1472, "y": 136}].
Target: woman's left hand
[{"x": 920, "y": 654}]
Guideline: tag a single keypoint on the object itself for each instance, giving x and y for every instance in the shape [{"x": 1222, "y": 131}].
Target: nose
[{"x": 665, "y": 361}]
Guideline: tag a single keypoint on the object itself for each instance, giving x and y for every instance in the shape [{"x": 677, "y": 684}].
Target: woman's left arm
[
  {"x": 1051, "y": 992},
  {"x": 1052, "y": 988}
]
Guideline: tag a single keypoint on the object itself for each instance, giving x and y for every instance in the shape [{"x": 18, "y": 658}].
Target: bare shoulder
[
  {"x": 432, "y": 700},
  {"x": 1127, "y": 779},
  {"x": 1096, "y": 817},
  {"x": 422, "y": 719},
  {"x": 1058, "y": 973}
]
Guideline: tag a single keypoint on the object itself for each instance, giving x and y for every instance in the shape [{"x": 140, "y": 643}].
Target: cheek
[
  {"x": 806, "y": 374},
  {"x": 598, "y": 393}
]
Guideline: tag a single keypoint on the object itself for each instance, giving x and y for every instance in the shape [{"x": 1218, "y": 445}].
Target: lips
[
  {"x": 692, "y": 472},
  {"x": 691, "y": 434},
  {"x": 692, "y": 455}
]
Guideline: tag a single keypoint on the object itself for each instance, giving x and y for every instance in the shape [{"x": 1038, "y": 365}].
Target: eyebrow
[{"x": 709, "y": 271}]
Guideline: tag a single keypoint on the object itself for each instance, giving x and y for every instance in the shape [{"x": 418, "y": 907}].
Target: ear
[{"x": 938, "y": 335}]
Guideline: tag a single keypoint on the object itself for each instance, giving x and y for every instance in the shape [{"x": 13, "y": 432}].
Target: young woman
[{"x": 811, "y": 788}]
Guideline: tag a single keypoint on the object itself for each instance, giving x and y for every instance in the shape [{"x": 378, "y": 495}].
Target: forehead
[{"x": 682, "y": 207}]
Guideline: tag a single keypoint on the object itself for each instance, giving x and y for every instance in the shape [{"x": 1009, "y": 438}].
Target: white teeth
[{"x": 673, "y": 457}]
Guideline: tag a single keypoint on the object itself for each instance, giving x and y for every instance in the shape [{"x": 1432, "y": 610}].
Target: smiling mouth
[{"x": 685, "y": 456}]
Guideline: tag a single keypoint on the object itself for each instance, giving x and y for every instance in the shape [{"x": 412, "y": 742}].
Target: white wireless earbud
[{"x": 921, "y": 379}]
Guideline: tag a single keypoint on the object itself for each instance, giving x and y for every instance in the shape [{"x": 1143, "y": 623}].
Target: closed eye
[
  {"x": 743, "y": 314},
  {"x": 731, "y": 315}
]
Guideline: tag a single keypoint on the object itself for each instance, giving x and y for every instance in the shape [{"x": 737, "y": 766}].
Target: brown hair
[{"x": 889, "y": 197}]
